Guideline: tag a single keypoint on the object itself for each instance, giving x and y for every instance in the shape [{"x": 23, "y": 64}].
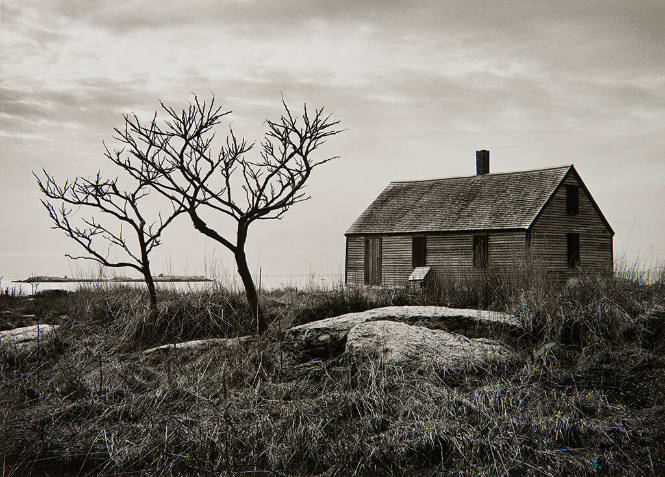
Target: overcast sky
[{"x": 419, "y": 86}]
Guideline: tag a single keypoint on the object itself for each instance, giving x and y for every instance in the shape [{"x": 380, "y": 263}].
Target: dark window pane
[
  {"x": 572, "y": 199},
  {"x": 573, "y": 246},
  {"x": 419, "y": 251}
]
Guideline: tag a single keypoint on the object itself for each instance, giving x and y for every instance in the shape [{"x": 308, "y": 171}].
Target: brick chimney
[{"x": 482, "y": 162}]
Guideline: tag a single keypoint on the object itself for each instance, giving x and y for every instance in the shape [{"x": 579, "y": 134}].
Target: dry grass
[{"x": 587, "y": 399}]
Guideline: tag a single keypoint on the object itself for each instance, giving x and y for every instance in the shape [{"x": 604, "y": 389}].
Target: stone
[
  {"x": 25, "y": 338},
  {"x": 330, "y": 334},
  {"x": 228, "y": 343},
  {"x": 406, "y": 345}
]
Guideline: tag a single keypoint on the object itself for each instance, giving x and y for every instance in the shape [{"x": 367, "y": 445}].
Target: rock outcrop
[
  {"x": 329, "y": 335},
  {"x": 413, "y": 346},
  {"x": 227, "y": 343},
  {"x": 27, "y": 338}
]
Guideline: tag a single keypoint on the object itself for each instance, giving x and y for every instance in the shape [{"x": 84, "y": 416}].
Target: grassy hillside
[{"x": 588, "y": 397}]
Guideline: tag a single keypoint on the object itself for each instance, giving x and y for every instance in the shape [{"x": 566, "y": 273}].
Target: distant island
[{"x": 159, "y": 278}]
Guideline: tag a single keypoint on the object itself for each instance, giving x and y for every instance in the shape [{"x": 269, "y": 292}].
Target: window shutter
[
  {"x": 480, "y": 251},
  {"x": 373, "y": 260}
]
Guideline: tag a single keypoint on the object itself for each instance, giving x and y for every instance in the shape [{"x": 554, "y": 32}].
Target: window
[
  {"x": 418, "y": 251},
  {"x": 572, "y": 199},
  {"x": 480, "y": 251},
  {"x": 573, "y": 245},
  {"x": 373, "y": 261}
]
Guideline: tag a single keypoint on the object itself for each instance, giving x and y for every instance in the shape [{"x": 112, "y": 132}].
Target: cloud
[
  {"x": 80, "y": 105},
  {"x": 422, "y": 80}
]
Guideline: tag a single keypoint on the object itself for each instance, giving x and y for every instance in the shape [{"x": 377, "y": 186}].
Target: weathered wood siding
[
  {"x": 396, "y": 260},
  {"x": 355, "y": 260},
  {"x": 452, "y": 254},
  {"x": 449, "y": 254},
  {"x": 548, "y": 235}
]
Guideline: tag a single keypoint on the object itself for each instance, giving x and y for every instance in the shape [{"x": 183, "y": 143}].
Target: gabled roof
[{"x": 510, "y": 200}]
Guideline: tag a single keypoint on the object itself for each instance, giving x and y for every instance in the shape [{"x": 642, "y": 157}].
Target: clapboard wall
[
  {"x": 548, "y": 245},
  {"x": 449, "y": 254},
  {"x": 355, "y": 260}
]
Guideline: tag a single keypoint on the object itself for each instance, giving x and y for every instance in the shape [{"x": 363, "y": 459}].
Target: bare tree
[
  {"x": 177, "y": 157},
  {"x": 99, "y": 237}
]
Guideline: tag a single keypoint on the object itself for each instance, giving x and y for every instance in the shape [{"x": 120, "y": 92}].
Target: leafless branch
[
  {"x": 177, "y": 156},
  {"x": 104, "y": 198}
]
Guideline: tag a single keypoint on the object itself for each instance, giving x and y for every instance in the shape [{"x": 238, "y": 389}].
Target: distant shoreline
[{"x": 163, "y": 278}]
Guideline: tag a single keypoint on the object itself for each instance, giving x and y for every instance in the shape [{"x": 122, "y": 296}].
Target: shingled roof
[{"x": 482, "y": 202}]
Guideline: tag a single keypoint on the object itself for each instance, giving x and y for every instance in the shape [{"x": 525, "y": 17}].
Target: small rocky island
[{"x": 120, "y": 279}]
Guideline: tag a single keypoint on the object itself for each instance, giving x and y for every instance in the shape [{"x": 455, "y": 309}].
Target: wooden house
[{"x": 464, "y": 225}]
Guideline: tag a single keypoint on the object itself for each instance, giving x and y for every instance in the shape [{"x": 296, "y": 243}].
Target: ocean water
[{"x": 10, "y": 285}]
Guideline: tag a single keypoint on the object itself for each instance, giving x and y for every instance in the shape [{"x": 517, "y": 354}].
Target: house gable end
[{"x": 572, "y": 171}]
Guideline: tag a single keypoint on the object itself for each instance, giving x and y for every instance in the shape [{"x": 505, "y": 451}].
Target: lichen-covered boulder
[
  {"x": 415, "y": 346},
  {"x": 330, "y": 334},
  {"x": 27, "y": 338}
]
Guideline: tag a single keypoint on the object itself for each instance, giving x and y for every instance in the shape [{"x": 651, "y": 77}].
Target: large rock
[
  {"x": 26, "y": 338},
  {"x": 227, "y": 343},
  {"x": 414, "y": 346},
  {"x": 330, "y": 334}
]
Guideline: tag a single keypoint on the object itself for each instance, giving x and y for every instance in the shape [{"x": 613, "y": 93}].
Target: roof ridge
[{"x": 567, "y": 166}]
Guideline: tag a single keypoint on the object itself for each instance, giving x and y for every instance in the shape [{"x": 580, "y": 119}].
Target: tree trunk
[
  {"x": 152, "y": 293},
  {"x": 147, "y": 276},
  {"x": 250, "y": 291},
  {"x": 241, "y": 261}
]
